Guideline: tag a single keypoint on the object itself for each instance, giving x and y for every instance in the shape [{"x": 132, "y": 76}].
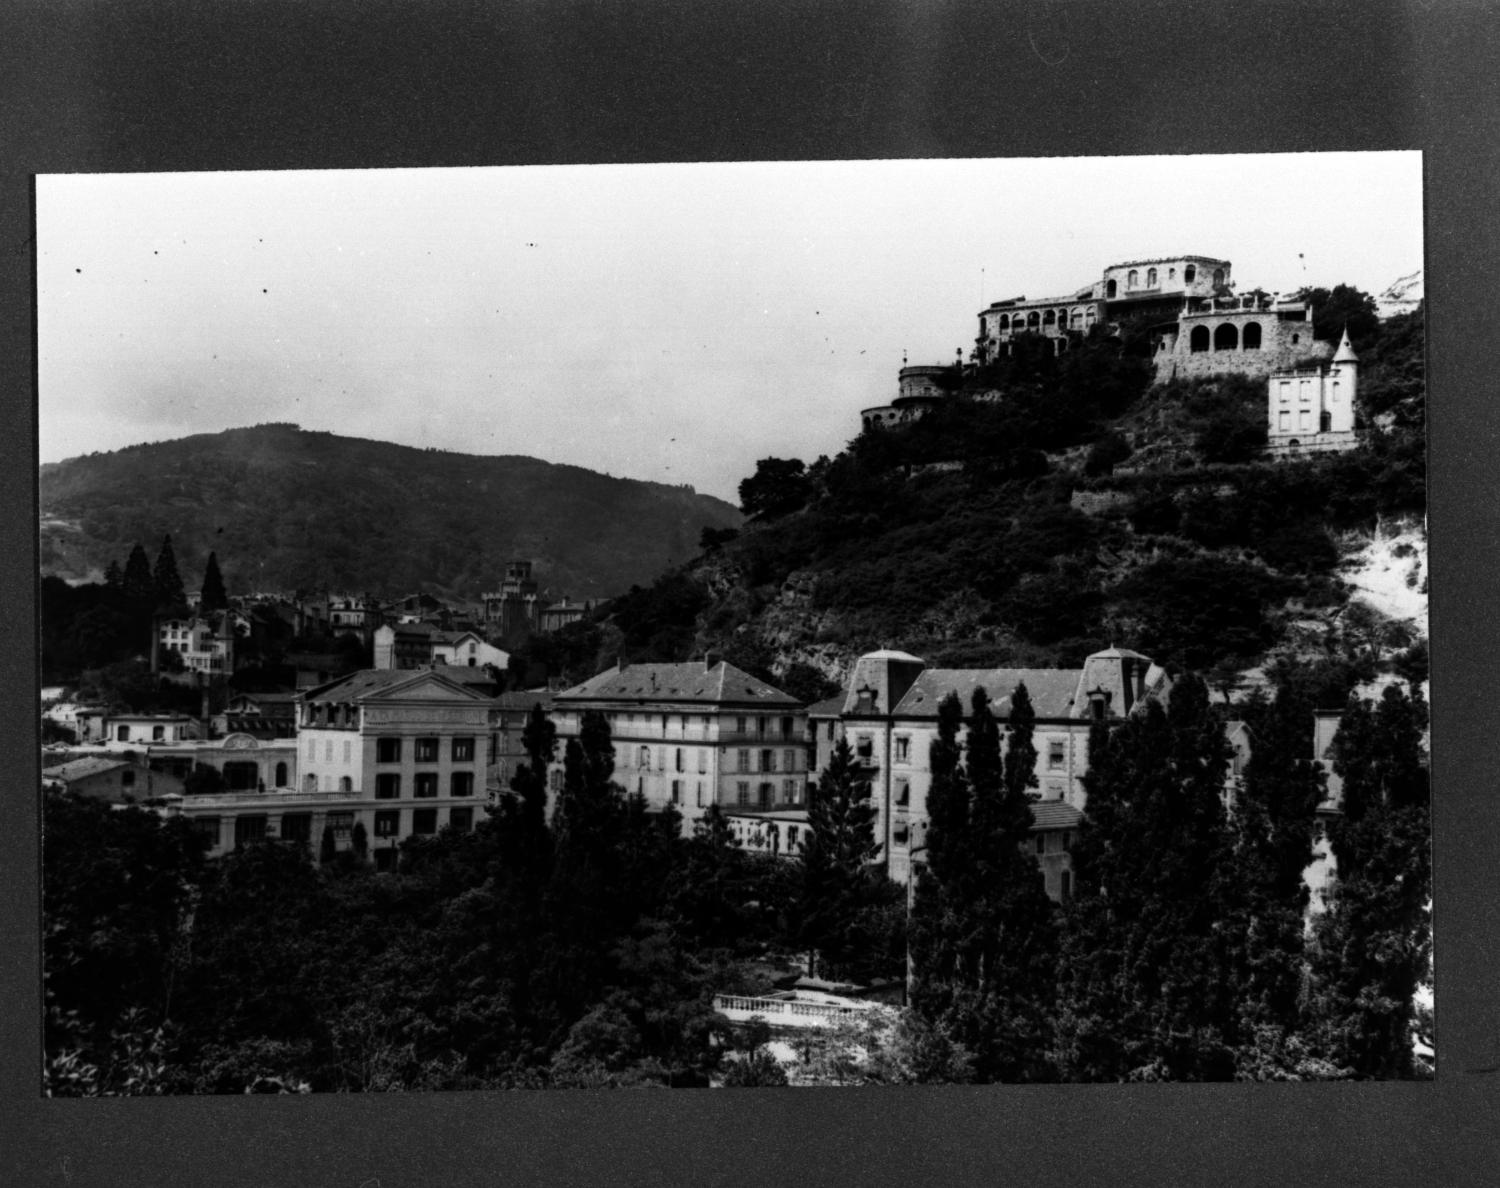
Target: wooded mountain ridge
[{"x": 285, "y": 508}]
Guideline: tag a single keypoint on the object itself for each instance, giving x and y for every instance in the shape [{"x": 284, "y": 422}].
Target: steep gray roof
[
  {"x": 690, "y": 682},
  {"x": 1051, "y": 689}
]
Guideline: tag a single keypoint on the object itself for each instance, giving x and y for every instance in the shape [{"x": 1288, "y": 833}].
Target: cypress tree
[
  {"x": 166, "y": 580},
  {"x": 1372, "y": 948},
  {"x": 1143, "y": 977},
  {"x": 583, "y": 906},
  {"x": 327, "y": 849},
  {"x": 137, "y": 584},
  {"x": 525, "y": 841},
  {"x": 1001, "y": 939},
  {"x": 839, "y": 882},
  {"x": 936, "y": 919},
  {"x": 1273, "y": 827},
  {"x": 213, "y": 598}
]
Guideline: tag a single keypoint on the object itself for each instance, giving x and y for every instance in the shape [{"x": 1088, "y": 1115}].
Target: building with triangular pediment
[{"x": 400, "y": 752}]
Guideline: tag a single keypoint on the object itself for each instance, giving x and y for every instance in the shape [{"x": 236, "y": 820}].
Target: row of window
[
  {"x": 765, "y": 794},
  {"x": 764, "y": 726},
  {"x": 424, "y": 750},
  {"x": 424, "y": 785},
  {"x": 1304, "y": 390},
  {"x": 679, "y": 762},
  {"x": 864, "y": 748},
  {"x": 297, "y": 827},
  {"x": 1080, "y": 319},
  {"x": 745, "y": 760},
  {"x": 423, "y": 821}
]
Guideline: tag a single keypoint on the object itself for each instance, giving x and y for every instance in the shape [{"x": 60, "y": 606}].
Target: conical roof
[{"x": 1345, "y": 353}]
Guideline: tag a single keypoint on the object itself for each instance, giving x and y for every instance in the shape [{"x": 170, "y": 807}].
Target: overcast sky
[{"x": 667, "y": 322}]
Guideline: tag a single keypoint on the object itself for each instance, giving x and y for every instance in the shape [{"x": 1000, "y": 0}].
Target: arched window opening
[
  {"x": 1296, "y": 338},
  {"x": 1150, "y": 278},
  {"x": 1227, "y": 337},
  {"x": 1132, "y": 279},
  {"x": 1189, "y": 273},
  {"x": 1198, "y": 339},
  {"x": 1004, "y": 322},
  {"x": 1049, "y": 318},
  {"x": 1078, "y": 319},
  {"x": 1033, "y": 318},
  {"x": 1218, "y": 277},
  {"x": 1111, "y": 288},
  {"x": 346, "y": 784},
  {"x": 1252, "y": 337}
]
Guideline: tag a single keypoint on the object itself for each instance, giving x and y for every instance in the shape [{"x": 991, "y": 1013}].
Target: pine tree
[
  {"x": 838, "y": 882},
  {"x": 1143, "y": 976},
  {"x": 138, "y": 586},
  {"x": 1373, "y": 946},
  {"x": 166, "y": 580},
  {"x": 1001, "y": 940},
  {"x": 213, "y": 598},
  {"x": 706, "y": 896}
]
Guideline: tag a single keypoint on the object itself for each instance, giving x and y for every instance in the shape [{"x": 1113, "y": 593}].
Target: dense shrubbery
[{"x": 973, "y": 498}]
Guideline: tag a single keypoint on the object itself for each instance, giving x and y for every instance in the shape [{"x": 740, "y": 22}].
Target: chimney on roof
[{"x": 711, "y": 660}]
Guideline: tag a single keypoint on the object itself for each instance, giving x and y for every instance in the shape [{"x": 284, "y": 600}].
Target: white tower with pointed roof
[{"x": 1343, "y": 375}]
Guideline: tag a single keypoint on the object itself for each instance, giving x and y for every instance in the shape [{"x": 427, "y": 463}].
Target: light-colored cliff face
[{"x": 1388, "y": 572}]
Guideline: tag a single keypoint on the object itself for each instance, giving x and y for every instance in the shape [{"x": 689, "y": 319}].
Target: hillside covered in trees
[
  {"x": 287, "y": 508},
  {"x": 1051, "y": 507}
]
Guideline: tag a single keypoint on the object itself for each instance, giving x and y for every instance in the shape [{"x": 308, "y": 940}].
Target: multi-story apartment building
[
  {"x": 888, "y": 716},
  {"x": 697, "y": 734},
  {"x": 403, "y": 753}
]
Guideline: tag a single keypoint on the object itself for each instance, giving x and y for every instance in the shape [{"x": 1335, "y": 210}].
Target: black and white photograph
[{"x": 734, "y": 625}]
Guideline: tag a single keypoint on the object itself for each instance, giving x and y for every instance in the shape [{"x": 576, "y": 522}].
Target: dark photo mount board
[{"x": 165, "y": 86}]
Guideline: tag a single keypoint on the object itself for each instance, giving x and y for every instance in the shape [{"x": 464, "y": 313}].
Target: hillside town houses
[{"x": 407, "y": 750}]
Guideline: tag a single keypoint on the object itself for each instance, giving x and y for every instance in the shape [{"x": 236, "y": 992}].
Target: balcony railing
[{"x": 786, "y": 1012}]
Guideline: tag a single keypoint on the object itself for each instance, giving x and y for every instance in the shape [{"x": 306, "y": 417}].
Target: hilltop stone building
[{"x": 1187, "y": 305}]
